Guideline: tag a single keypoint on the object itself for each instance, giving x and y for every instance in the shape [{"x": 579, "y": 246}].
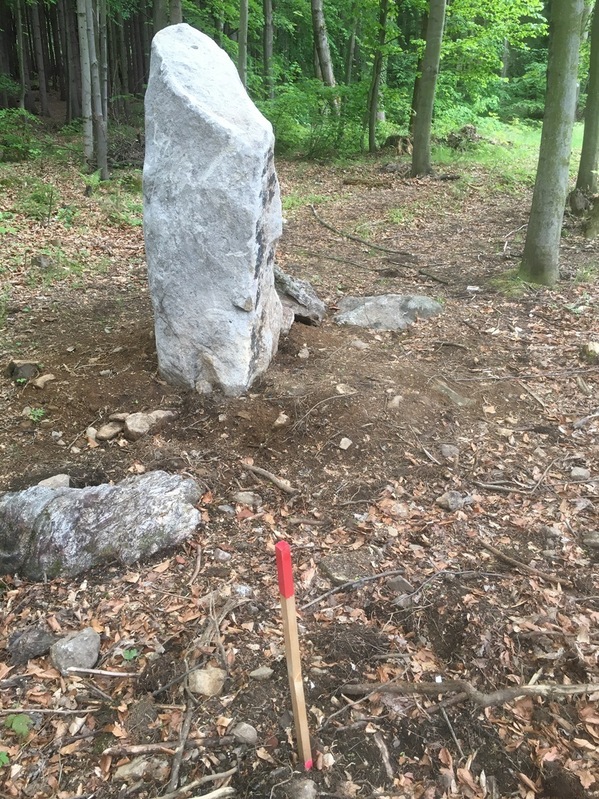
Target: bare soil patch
[{"x": 497, "y": 376}]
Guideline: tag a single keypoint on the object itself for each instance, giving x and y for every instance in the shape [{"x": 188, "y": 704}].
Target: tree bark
[
  {"x": 242, "y": 53},
  {"x": 321, "y": 43},
  {"x": 98, "y": 116},
  {"x": 176, "y": 12},
  {"x": 425, "y": 100},
  {"x": 160, "y": 15},
  {"x": 268, "y": 46},
  {"x": 21, "y": 54},
  {"x": 86, "y": 84},
  {"x": 39, "y": 59},
  {"x": 377, "y": 71},
  {"x": 587, "y": 169},
  {"x": 540, "y": 262}
]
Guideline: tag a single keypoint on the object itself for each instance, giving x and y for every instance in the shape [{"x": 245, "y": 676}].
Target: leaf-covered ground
[{"x": 491, "y": 400}]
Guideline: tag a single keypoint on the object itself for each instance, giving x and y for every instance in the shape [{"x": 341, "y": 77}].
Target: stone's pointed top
[{"x": 194, "y": 66}]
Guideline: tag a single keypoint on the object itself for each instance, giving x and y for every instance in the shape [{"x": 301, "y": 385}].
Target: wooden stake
[{"x": 292, "y": 651}]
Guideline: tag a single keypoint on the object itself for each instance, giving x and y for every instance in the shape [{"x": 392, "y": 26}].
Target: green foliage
[
  {"x": 38, "y": 200},
  {"x": 20, "y": 135},
  {"x": 19, "y": 724},
  {"x": 36, "y": 415},
  {"x": 4, "y": 758},
  {"x": 9, "y": 87},
  {"x": 299, "y": 200},
  {"x": 6, "y": 216},
  {"x": 523, "y": 96},
  {"x": 130, "y": 654}
]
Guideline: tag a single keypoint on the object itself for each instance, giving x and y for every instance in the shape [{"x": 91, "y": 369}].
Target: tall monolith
[{"x": 212, "y": 217}]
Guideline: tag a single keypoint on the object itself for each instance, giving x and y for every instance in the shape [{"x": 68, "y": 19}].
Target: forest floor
[{"x": 491, "y": 400}]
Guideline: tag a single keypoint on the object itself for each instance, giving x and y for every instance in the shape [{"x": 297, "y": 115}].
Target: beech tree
[
  {"x": 540, "y": 261},
  {"x": 587, "y": 169},
  {"x": 425, "y": 100},
  {"x": 377, "y": 69}
]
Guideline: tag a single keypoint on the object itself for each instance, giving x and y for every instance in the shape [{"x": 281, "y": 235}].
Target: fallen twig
[
  {"x": 168, "y": 747},
  {"x": 278, "y": 481},
  {"x": 198, "y": 565},
  {"x": 404, "y": 688},
  {"x": 436, "y": 279},
  {"x": 178, "y": 758},
  {"x": 351, "y": 584},
  {"x": 362, "y": 241},
  {"x": 550, "y": 578},
  {"x": 202, "y": 781},
  {"x": 326, "y": 256},
  {"x": 101, "y": 672}
]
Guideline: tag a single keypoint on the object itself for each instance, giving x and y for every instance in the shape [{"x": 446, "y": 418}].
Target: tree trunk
[
  {"x": 242, "y": 53},
  {"x": 86, "y": 84},
  {"x": 103, "y": 56},
  {"x": 377, "y": 70},
  {"x": 160, "y": 15},
  {"x": 351, "y": 48},
  {"x": 21, "y": 54},
  {"x": 321, "y": 42},
  {"x": 176, "y": 12},
  {"x": 98, "y": 116},
  {"x": 587, "y": 169},
  {"x": 540, "y": 262},
  {"x": 39, "y": 60},
  {"x": 425, "y": 100},
  {"x": 268, "y": 46}
]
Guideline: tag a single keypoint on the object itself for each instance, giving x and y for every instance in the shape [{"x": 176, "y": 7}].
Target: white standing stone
[{"x": 212, "y": 217}]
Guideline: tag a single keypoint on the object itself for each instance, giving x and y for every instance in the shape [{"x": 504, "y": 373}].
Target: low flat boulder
[
  {"x": 386, "y": 311},
  {"x": 50, "y": 532}
]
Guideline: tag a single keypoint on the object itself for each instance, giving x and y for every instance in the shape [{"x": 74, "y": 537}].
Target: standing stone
[{"x": 212, "y": 217}]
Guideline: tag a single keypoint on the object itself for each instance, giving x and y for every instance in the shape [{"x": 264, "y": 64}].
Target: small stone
[
  {"x": 304, "y": 353},
  {"x": 358, "y": 344},
  {"x": 262, "y": 673},
  {"x": 147, "y": 769},
  {"x": 580, "y": 473},
  {"x": 118, "y": 417},
  {"x": 21, "y": 370},
  {"x": 345, "y": 443},
  {"x": 221, "y": 555},
  {"x": 282, "y": 420},
  {"x": 591, "y": 540},
  {"x": 301, "y": 789},
  {"x": 207, "y": 682},
  {"x": 109, "y": 431},
  {"x": 56, "y": 481},
  {"x": 344, "y": 389},
  {"x": 400, "y": 585},
  {"x": 451, "y": 501},
  {"x": 242, "y": 590},
  {"x": 137, "y": 425},
  {"x": 228, "y": 509},
  {"x": 245, "y": 734},
  {"x": 590, "y": 352},
  {"x": 76, "y": 650},
  {"x": 450, "y": 452},
  {"x": 395, "y": 402},
  {"x": 105, "y": 372},
  {"x": 248, "y": 498},
  {"x": 43, "y": 380},
  {"x": 29, "y": 644}
]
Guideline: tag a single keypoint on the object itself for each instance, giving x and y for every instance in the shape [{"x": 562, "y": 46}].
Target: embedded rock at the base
[
  {"x": 386, "y": 311},
  {"x": 212, "y": 217},
  {"x": 47, "y": 532}
]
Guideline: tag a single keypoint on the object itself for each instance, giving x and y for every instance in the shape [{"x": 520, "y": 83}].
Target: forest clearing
[{"x": 438, "y": 488}]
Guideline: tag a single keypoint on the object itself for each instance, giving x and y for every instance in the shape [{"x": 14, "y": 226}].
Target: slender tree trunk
[
  {"x": 21, "y": 54},
  {"x": 60, "y": 59},
  {"x": 351, "y": 47},
  {"x": 377, "y": 70},
  {"x": 268, "y": 45},
  {"x": 86, "y": 84},
  {"x": 39, "y": 59},
  {"x": 99, "y": 121},
  {"x": 540, "y": 262},
  {"x": 425, "y": 101},
  {"x": 75, "y": 89},
  {"x": 321, "y": 42},
  {"x": 103, "y": 56},
  {"x": 160, "y": 15},
  {"x": 242, "y": 55},
  {"x": 587, "y": 169},
  {"x": 176, "y": 12}
]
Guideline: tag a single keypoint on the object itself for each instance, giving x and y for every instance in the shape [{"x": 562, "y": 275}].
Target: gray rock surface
[
  {"x": 299, "y": 296},
  {"x": 207, "y": 682},
  {"x": 56, "y": 481},
  {"x": 386, "y": 311},
  {"x": 77, "y": 650},
  {"x": 28, "y": 644},
  {"x": 245, "y": 734},
  {"x": 212, "y": 217},
  {"x": 46, "y": 532},
  {"x": 138, "y": 424}
]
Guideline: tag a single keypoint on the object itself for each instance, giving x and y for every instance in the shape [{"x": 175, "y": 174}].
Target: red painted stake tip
[
  {"x": 308, "y": 765},
  {"x": 284, "y": 570}
]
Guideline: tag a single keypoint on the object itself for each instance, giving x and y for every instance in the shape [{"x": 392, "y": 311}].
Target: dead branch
[
  {"x": 101, "y": 672},
  {"x": 501, "y": 697},
  {"x": 550, "y": 578},
  {"x": 362, "y": 241},
  {"x": 436, "y": 278},
  {"x": 198, "y": 565},
  {"x": 351, "y": 584},
  {"x": 178, "y": 758},
  {"x": 168, "y": 747},
  {"x": 223, "y": 775},
  {"x": 219, "y": 793},
  {"x": 327, "y": 257},
  {"x": 279, "y": 482}
]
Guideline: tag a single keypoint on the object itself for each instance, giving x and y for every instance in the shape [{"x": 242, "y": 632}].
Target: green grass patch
[
  {"x": 38, "y": 199},
  {"x": 299, "y": 200},
  {"x": 510, "y": 284}
]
